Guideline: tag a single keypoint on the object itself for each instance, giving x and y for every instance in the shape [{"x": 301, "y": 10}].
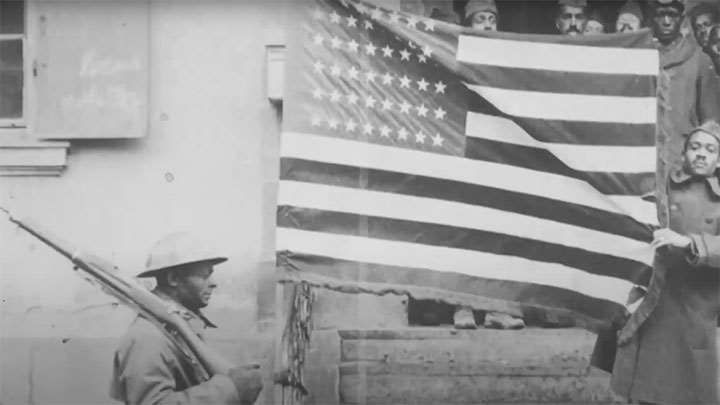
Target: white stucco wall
[{"x": 208, "y": 164}]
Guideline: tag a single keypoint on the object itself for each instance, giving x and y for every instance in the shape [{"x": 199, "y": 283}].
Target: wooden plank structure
[{"x": 418, "y": 365}]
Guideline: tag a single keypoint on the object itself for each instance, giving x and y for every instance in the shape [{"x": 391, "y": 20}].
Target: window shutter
[{"x": 89, "y": 72}]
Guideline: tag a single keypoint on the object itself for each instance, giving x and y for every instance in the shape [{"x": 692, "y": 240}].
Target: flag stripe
[
  {"x": 504, "y": 177},
  {"x": 381, "y": 278},
  {"x": 579, "y": 133},
  {"x": 443, "y": 259},
  {"x": 592, "y": 158},
  {"x": 542, "y": 160},
  {"x": 559, "y": 82},
  {"x": 638, "y": 208},
  {"x": 420, "y": 209},
  {"x": 570, "y": 107},
  {"x": 423, "y": 186},
  {"x": 557, "y": 57},
  {"x": 462, "y": 238}
]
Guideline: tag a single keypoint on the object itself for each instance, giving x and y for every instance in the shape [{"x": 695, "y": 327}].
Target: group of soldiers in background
[{"x": 575, "y": 17}]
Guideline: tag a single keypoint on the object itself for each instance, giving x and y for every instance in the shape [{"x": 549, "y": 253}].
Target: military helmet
[
  {"x": 177, "y": 249},
  {"x": 711, "y": 128}
]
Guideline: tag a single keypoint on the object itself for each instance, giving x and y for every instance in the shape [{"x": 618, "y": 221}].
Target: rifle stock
[{"x": 150, "y": 306}]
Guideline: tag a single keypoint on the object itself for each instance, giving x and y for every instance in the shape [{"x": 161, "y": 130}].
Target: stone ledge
[{"x": 23, "y": 156}]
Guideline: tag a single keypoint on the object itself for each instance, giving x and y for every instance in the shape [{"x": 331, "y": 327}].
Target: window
[{"x": 12, "y": 44}]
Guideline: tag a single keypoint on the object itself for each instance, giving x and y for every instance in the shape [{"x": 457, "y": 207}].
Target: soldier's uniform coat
[
  {"x": 688, "y": 95},
  {"x": 149, "y": 368},
  {"x": 668, "y": 350}
]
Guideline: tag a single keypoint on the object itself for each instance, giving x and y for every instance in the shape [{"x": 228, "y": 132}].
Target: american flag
[{"x": 495, "y": 170}]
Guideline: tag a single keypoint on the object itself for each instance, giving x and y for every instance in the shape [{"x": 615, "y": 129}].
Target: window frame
[{"x": 13, "y": 124}]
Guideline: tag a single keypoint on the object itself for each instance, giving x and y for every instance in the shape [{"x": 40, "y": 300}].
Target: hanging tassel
[{"x": 297, "y": 338}]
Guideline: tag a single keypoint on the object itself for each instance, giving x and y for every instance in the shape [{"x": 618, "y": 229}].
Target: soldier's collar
[
  {"x": 680, "y": 176},
  {"x": 186, "y": 313}
]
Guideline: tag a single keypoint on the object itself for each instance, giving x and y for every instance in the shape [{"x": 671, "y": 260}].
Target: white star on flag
[
  {"x": 376, "y": 13},
  {"x": 335, "y": 96},
  {"x": 319, "y": 66},
  {"x": 422, "y": 110},
  {"x": 405, "y": 81},
  {"x": 405, "y": 107},
  {"x": 387, "y": 52},
  {"x": 350, "y": 125},
  {"x": 318, "y": 94},
  {"x": 412, "y": 22},
  {"x": 387, "y": 104},
  {"x": 353, "y": 46},
  {"x": 370, "y": 49},
  {"x": 419, "y": 137},
  {"x": 335, "y": 42},
  {"x": 352, "y": 98},
  {"x": 427, "y": 51},
  {"x": 367, "y": 129},
  {"x": 394, "y": 17},
  {"x": 334, "y": 17},
  {"x": 439, "y": 113},
  {"x": 385, "y": 131},
  {"x": 440, "y": 87},
  {"x": 404, "y": 55},
  {"x": 369, "y": 102},
  {"x": 368, "y": 25},
  {"x": 335, "y": 70},
  {"x": 422, "y": 84},
  {"x": 387, "y": 78},
  {"x": 402, "y": 134},
  {"x": 370, "y": 76},
  {"x": 429, "y": 25},
  {"x": 437, "y": 140},
  {"x": 422, "y": 58},
  {"x": 333, "y": 123},
  {"x": 318, "y": 39},
  {"x": 351, "y": 21},
  {"x": 353, "y": 73}
]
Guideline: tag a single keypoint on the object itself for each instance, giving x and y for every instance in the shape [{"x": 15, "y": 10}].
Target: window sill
[{"x": 21, "y": 155}]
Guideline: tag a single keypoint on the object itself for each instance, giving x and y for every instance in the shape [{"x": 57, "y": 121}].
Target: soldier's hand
[
  {"x": 248, "y": 383},
  {"x": 668, "y": 237}
]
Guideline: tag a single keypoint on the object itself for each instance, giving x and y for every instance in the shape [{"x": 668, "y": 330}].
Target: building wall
[{"x": 208, "y": 164}]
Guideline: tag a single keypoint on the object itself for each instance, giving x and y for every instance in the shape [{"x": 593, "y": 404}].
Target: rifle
[
  {"x": 206, "y": 361},
  {"x": 147, "y": 304}
]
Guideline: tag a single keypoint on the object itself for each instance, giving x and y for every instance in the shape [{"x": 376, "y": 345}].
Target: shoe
[
  {"x": 464, "y": 318},
  {"x": 498, "y": 320}
]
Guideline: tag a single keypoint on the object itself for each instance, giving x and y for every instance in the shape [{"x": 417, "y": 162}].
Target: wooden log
[
  {"x": 398, "y": 389},
  {"x": 532, "y": 352},
  {"x": 483, "y": 368}
]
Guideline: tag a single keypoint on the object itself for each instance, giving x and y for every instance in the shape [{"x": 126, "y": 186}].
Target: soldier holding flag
[{"x": 668, "y": 350}]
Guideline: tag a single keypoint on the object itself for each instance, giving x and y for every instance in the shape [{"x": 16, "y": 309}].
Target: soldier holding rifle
[{"x": 150, "y": 368}]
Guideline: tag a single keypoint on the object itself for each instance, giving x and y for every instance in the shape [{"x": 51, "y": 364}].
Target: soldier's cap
[
  {"x": 596, "y": 16},
  {"x": 631, "y": 7},
  {"x": 573, "y": 3},
  {"x": 711, "y": 128},
  {"x": 476, "y": 6},
  {"x": 678, "y": 4},
  {"x": 705, "y": 8},
  {"x": 177, "y": 249}
]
